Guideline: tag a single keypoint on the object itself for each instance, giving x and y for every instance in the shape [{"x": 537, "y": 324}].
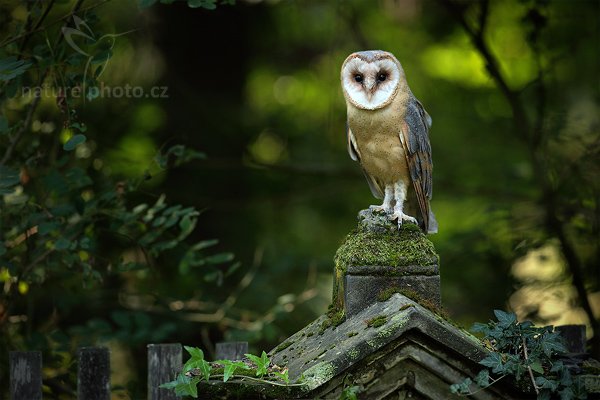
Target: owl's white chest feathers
[{"x": 377, "y": 134}]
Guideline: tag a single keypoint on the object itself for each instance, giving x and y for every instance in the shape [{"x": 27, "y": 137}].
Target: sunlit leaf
[{"x": 74, "y": 141}]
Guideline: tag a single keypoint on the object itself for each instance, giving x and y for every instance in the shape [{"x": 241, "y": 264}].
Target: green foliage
[
  {"x": 73, "y": 234},
  {"x": 533, "y": 356},
  {"x": 185, "y": 384},
  {"x": 350, "y": 393},
  {"x": 262, "y": 363},
  {"x": 278, "y": 186}
]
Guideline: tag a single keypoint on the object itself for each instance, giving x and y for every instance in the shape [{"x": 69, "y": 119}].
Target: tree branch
[
  {"x": 42, "y": 28},
  {"x": 537, "y": 390}
]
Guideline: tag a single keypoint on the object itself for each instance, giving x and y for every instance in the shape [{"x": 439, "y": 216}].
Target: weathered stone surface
[
  {"x": 363, "y": 290},
  {"x": 320, "y": 355}
]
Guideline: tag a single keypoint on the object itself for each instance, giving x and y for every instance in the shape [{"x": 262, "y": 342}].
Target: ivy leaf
[
  {"x": 505, "y": 319},
  {"x": 479, "y": 327},
  {"x": 544, "y": 383},
  {"x": 483, "y": 378},
  {"x": 494, "y": 361},
  {"x": 461, "y": 388},
  {"x": 262, "y": 363},
  {"x": 228, "y": 372},
  {"x": 552, "y": 343},
  {"x": 196, "y": 361},
  {"x": 230, "y": 367},
  {"x": 74, "y": 141},
  {"x": 537, "y": 367},
  {"x": 183, "y": 386},
  {"x": 284, "y": 376},
  {"x": 557, "y": 366}
]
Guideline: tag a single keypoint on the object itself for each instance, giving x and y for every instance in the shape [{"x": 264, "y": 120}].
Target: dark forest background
[{"x": 250, "y": 143}]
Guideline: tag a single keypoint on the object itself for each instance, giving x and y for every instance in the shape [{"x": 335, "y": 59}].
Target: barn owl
[{"x": 387, "y": 131}]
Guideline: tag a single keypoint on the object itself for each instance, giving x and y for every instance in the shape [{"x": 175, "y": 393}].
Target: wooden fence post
[
  {"x": 25, "y": 375},
  {"x": 231, "y": 350},
  {"x": 164, "y": 361},
  {"x": 93, "y": 377}
]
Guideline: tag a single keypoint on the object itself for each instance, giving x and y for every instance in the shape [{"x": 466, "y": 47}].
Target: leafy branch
[
  {"x": 252, "y": 368},
  {"x": 519, "y": 347}
]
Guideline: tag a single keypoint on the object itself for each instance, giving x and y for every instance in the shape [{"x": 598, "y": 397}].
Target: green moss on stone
[
  {"x": 283, "y": 346},
  {"x": 385, "y": 294},
  {"x": 428, "y": 304},
  {"x": 350, "y": 334},
  {"x": 407, "y": 246},
  {"x": 238, "y": 371},
  {"x": 334, "y": 318},
  {"x": 309, "y": 334},
  {"x": 377, "y": 321},
  {"x": 406, "y": 306}
]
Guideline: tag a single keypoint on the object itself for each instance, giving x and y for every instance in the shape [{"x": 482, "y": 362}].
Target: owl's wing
[
  {"x": 375, "y": 187},
  {"x": 415, "y": 140}
]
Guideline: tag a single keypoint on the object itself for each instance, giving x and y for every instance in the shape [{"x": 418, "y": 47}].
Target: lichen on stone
[
  {"x": 353, "y": 354},
  {"x": 318, "y": 374}
]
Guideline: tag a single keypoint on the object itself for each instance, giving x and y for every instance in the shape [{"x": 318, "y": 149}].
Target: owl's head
[{"x": 371, "y": 79}]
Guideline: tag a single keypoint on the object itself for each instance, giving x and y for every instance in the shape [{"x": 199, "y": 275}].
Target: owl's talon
[{"x": 401, "y": 217}]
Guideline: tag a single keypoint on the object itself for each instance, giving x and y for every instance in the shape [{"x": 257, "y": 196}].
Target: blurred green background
[{"x": 255, "y": 86}]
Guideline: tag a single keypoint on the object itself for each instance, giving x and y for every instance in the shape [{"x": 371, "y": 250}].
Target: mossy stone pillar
[{"x": 377, "y": 260}]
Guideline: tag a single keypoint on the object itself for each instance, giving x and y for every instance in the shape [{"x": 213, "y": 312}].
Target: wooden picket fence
[{"x": 93, "y": 375}]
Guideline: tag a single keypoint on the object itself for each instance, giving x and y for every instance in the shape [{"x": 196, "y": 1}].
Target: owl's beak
[{"x": 370, "y": 86}]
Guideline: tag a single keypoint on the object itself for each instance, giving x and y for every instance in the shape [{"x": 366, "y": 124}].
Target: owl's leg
[
  {"x": 387, "y": 201},
  {"x": 400, "y": 195}
]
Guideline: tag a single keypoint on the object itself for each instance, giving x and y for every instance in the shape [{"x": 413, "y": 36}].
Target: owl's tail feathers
[{"x": 433, "y": 224}]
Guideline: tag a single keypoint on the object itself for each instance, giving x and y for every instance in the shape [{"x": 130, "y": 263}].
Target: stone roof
[{"x": 383, "y": 337}]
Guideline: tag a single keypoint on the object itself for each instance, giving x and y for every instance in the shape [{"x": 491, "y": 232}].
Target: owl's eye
[
  {"x": 381, "y": 77},
  {"x": 358, "y": 78}
]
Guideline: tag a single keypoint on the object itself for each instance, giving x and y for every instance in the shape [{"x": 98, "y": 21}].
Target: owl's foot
[{"x": 401, "y": 217}]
